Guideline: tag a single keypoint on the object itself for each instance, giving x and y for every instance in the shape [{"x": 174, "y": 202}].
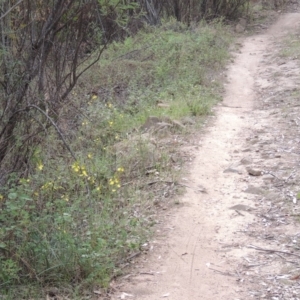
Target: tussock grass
[{"x": 74, "y": 223}]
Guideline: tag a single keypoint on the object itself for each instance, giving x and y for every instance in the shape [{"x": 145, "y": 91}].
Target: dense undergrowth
[{"x": 74, "y": 222}]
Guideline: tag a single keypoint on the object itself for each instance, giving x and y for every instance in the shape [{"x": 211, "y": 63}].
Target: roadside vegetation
[
  {"x": 88, "y": 137},
  {"x": 291, "y": 48}
]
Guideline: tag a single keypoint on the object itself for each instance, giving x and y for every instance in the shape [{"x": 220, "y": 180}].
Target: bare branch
[
  {"x": 8, "y": 11},
  {"x": 56, "y": 128}
]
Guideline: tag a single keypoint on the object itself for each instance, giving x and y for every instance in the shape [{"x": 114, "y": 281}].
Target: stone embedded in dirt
[
  {"x": 253, "y": 190},
  {"x": 231, "y": 170},
  {"x": 253, "y": 172},
  {"x": 268, "y": 177},
  {"x": 254, "y": 141},
  {"x": 241, "y": 207},
  {"x": 246, "y": 161}
]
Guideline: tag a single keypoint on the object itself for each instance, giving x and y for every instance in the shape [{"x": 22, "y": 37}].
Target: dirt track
[{"x": 244, "y": 182}]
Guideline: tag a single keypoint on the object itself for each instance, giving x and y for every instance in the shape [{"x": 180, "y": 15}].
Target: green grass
[
  {"x": 74, "y": 223},
  {"x": 291, "y": 47}
]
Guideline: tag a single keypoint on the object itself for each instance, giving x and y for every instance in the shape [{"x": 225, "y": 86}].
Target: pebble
[
  {"x": 246, "y": 161},
  {"x": 253, "y": 172},
  {"x": 231, "y": 170}
]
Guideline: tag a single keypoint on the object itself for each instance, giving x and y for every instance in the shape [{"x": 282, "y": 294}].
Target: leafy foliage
[
  {"x": 76, "y": 221},
  {"x": 45, "y": 47},
  {"x": 74, "y": 201},
  {"x": 189, "y": 11}
]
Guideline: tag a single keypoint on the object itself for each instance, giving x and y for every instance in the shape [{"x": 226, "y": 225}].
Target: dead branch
[
  {"x": 272, "y": 250},
  {"x": 56, "y": 128}
]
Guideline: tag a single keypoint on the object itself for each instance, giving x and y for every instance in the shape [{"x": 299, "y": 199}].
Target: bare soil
[{"x": 236, "y": 234}]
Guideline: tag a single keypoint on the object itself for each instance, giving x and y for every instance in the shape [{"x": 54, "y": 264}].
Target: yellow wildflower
[
  {"x": 40, "y": 166},
  {"x": 47, "y": 185},
  {"x": 23, "y": 180},
  {"x": 76, "y": 167}
]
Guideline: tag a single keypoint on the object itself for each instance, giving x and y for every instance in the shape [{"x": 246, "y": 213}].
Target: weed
[
  {"x": 291, "y": 47},
  {"x": 75, "y": 222}
]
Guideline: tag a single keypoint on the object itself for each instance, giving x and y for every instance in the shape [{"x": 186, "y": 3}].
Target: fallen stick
[
  {"x": 199, "y": 189},
  {"x": 271, "y": 250},
  {"x": 221, "y": 272}
]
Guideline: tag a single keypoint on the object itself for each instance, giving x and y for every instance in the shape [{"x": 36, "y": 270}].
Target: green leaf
[
  {"x": 25, "y": 197},
  {"x": 12, "y": 196},
  {"x": 2, "y": 245}
]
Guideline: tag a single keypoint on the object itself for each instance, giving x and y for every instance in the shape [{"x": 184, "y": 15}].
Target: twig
[
  {"x": 270, "y": 173},
  {"x": 202, "y": 190},
  {"x": 272, "y": 250},
  {"x": 130, "y": 52},
  {"x": 30, "y": 269},
  {"x": 290, "y": 261},
  {"x": 147, "y": 273},
  {"x": 239, "y": 213},
  {"x": 268, "y": 218},
  {"x": 56, "y": 127},
  {"x": 9, "y": 10},
  {"x": 133, "y": 255},
  {"x": 126, "y": 260},
  {"x": 223, "y": 273},
  {"x": 286, "y": 180},
  {"x": 255, "y": 265}
]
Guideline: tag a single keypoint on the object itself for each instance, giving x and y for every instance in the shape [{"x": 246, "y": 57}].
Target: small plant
[{"x": 291, "y": 47}]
